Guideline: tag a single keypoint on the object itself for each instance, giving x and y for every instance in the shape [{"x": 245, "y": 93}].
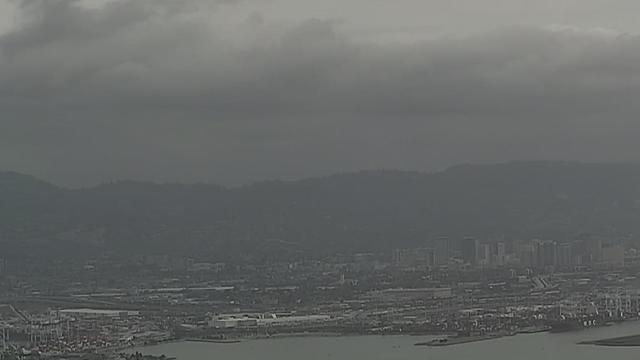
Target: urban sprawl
[{"x": 455, "y": 289}]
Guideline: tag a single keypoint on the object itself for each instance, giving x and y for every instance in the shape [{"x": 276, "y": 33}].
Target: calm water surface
[{"x": 541, "y": 346}]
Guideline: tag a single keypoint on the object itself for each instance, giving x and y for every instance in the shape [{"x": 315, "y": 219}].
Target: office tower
[
  {"x": 469, "y": 250},
  {"x": 441, "y": 251}
]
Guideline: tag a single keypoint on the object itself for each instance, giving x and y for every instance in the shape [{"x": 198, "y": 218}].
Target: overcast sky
[{"x": 237, "y": 91}]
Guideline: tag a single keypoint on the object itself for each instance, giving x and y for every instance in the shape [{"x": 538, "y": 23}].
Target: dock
[
  {"x": 457, "y": 340},
  {"x": 216, "y": 341}
]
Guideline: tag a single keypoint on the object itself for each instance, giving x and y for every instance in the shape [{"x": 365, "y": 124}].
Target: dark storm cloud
[{"x": 162, "y": 90}]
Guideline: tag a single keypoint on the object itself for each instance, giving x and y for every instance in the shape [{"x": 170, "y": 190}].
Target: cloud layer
[{"x": 166, "y": 90}]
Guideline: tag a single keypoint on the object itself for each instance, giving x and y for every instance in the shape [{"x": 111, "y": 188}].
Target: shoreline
[
  {"x": 460, "y": 340},
  {"x": 432, "y": 338},
  {"x": 620, "y": 341}
]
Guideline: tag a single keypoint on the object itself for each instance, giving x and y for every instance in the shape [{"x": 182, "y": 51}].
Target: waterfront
[{"x": 541, "y": 346}]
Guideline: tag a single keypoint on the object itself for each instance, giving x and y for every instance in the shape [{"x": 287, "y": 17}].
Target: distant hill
[{"x": 373, "y": 210}]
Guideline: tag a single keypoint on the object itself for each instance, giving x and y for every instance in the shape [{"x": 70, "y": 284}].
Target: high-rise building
[
  {"x": 565, "y": 255},
  {"x": 441, "y": 251},
  {"x": 538, "y": 253},
  {"x": 469, "y": 250},
  {"x": 499, "y": 254},
  {"x": 613, "y": 255},
  {"x": 550, "y": 253},
  {"x": 484, "y": 254},
  {"x": 419, "y": 257},
  {"x": 526, "y": 254},
  {"x": 396, "y": 255},
  {"x": 594, "y": 249},
  {"x": 589, "y": 247},
  {"x": 545, "y": 253}
]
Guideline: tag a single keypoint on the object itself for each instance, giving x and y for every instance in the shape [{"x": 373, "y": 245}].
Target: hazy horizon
[{"x": 317, "y": 176}]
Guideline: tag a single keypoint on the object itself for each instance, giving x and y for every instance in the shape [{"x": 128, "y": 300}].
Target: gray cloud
[{"x": 165, "y": 90}]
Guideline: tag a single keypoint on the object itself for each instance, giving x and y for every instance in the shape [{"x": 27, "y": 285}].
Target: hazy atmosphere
[
  {"x": 238, "y": 91},
  {"x": 319, "y": 179}
]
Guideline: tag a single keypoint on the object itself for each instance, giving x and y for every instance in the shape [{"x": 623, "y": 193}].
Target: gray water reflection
[{"x": 525, "y": 347}]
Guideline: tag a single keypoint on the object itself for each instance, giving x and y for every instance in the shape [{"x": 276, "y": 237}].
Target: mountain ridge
[{"x": 359, "y": 211}]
